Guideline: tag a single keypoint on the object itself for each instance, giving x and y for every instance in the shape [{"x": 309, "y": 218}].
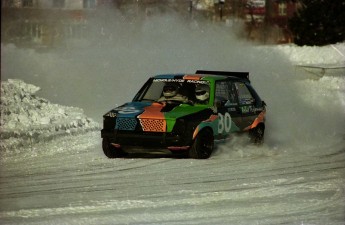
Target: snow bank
[
  {"x": 330, "y": 54},
  {"x": 26, "y": 118}
]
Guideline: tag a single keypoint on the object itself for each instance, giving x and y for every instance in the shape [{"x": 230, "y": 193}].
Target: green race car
[{"x": 185, "y": 113}]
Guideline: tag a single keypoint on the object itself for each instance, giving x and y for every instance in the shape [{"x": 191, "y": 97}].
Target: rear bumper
[{"x": 173, "y": 142}]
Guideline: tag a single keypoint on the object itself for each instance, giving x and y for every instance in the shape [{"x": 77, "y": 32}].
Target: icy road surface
[{"x": 75, "y": 184}]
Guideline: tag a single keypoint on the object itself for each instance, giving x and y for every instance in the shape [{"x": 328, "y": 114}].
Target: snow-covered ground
[{"x": 53, "y": 170}]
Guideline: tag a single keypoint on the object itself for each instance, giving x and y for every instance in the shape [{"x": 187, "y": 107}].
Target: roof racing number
[{"x": 224, "y": 122}]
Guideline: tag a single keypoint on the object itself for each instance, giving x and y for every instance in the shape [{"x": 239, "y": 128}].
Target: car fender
[
  {"x": 260, "y": 119},
  {"x": 211, "y": 122}
]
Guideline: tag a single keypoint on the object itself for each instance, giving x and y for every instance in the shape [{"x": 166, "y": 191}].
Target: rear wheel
[
  {"x": 203, "y": 145},
  {"x": 111, "y": 151},
  {"x": 257, "y": 134}
]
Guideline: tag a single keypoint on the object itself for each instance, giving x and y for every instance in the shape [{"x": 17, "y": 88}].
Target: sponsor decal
[
  {"x": 169, "y": 80},
  {"x": 172, "y": 80},
  {"x": 228, "y": 103},
  {"x": 247, "y": 109},
  {"x": 128, "y": 110},
  {"x": 198, "y": 81}
]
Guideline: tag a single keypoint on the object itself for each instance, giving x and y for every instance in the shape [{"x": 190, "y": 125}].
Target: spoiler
[{"x": 242, "y": 75}]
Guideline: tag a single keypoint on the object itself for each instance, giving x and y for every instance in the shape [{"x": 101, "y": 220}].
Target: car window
[
  {"x": 232, "y": 93},
  {"x": 244, "y": 95},
  {"x": 222, "y": 92},
  {"x": 226, "y": 92},
  {"x": 155, "y": 91}
]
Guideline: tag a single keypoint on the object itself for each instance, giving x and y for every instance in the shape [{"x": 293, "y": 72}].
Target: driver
[
  {"x": 170, "y": 93},
  {"x": 202, "y": 93}
]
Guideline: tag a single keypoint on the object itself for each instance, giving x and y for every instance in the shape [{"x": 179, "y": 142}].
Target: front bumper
[{"x": 170, "y": 141}]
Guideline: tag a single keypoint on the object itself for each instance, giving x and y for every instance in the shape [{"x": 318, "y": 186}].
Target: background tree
[{"x": 319, "y": 22}]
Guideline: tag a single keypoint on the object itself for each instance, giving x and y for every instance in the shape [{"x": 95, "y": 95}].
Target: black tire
[
  {"x": 257, "y": 134},
  {"x": 111, "y": 151},
  {"x": 203, "y": 145}
]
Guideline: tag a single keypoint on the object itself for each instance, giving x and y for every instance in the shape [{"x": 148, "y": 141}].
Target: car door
[
  {"x": 246, "y": 103},
  {"x": 228, "y": 110}
]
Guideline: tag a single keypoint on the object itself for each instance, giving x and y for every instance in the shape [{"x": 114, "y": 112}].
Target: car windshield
[{"x": 176, "y": 90}]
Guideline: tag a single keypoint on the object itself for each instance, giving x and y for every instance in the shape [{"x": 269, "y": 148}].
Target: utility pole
[
  {"x": 220, "y": 4},
  {"x": 267, "y": 21},
  {"x": 221, "y": 8},
  {"x": 190, "y": 8}
]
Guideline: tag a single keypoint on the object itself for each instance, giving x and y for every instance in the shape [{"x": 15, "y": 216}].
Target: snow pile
[
  {"x": 330, "y": 54},
  {"x": 26, "y": 118}
]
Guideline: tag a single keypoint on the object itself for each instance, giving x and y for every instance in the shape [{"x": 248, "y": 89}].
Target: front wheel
[
  {"x": 111, "y": 151},
  {"x": 203, "y": 145}
]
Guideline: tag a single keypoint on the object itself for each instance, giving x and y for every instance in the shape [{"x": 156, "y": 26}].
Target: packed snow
[
  {"x": 53, "y": 170},
  {"x": 27, "y": 118}
]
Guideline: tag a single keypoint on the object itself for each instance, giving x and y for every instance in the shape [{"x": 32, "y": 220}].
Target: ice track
[{"x": 78, "y": 185}]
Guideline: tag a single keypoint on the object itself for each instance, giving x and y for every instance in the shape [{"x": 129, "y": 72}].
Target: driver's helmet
[
  {"x": 170, "y": 90},
  {"x": 202, "y": 92}
]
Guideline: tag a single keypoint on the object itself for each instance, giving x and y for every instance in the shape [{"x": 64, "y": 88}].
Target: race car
[{"x": 185, "y": 113}]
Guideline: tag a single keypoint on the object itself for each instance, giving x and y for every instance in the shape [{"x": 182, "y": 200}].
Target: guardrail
[{"x": 318, "y": 71}]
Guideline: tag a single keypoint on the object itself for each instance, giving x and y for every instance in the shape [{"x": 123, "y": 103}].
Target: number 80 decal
[{"x": 224, "y": 122}]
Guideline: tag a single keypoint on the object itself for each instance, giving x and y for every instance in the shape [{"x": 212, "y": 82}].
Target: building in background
[
  {"x": 51, "y": 22},
  {"x": 281, "y": 12},
  {"x": 44, "y": 22},
  {"x": 267, "y": 20}
]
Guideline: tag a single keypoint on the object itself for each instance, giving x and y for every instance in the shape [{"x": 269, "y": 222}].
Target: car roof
[{"x": 207, "y": 75}]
